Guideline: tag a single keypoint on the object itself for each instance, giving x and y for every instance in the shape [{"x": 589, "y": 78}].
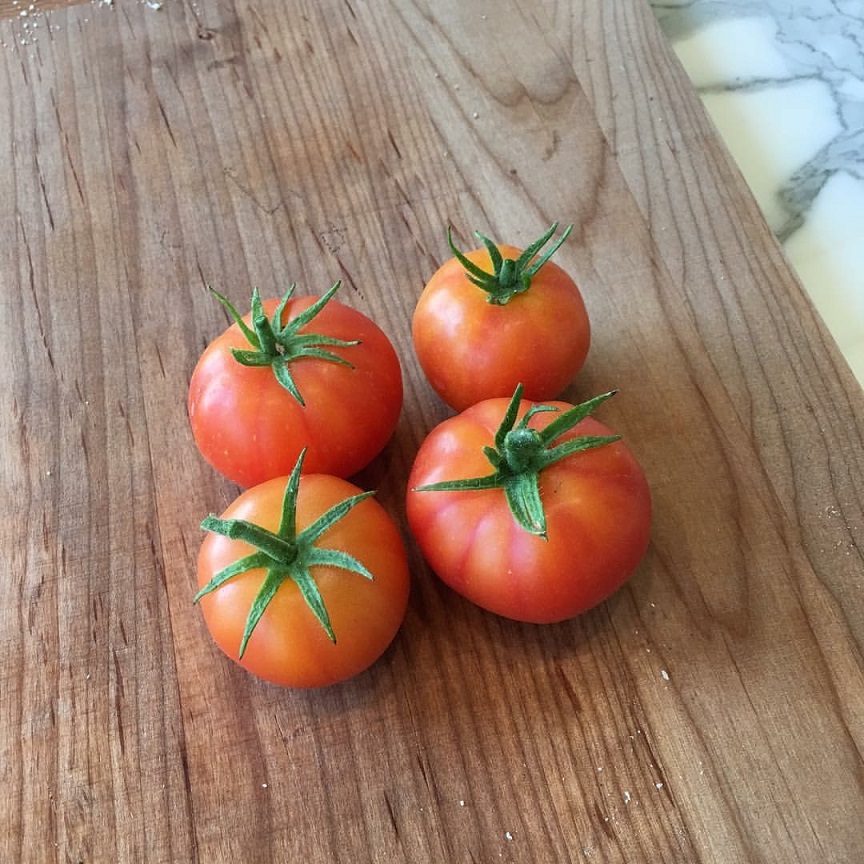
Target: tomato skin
[
  {"x": 289, "y": 646},
  {"x": 471, "y": 350},
  {"x": 250, "y": 429},
  {"x": 598, "y": 512}
]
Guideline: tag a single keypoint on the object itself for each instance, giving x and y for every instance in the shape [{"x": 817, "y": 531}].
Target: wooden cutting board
[{"x": 711, "y": 711}]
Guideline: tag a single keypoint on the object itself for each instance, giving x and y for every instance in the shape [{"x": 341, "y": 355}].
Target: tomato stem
[
  {"x": 509, "y": 276},
  {"x": 521, "y": 453},
  {"x": 285, "y": 554},
  {"x": 277, "y": 345}
]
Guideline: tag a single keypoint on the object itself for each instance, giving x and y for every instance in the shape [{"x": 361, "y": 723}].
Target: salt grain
[{"x": 664, "y": 674}]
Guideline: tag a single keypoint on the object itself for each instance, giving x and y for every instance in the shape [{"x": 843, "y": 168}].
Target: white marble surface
[{"x": 783, "y": 81}]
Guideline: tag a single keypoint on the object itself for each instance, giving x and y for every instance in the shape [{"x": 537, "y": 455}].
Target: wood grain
[
  {"x": 710, "y": 712},
  {"x": 31, "y": 17}
]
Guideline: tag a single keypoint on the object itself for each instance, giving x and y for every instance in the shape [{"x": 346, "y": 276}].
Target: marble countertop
[{"x": 784, "y": 85}]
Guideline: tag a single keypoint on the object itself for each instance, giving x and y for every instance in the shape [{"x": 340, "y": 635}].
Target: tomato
[
  {"x": 334, "y": 386},
  {"x": 477, "y": 336},
  {"x": 331, "y": 594},
  {"x": 534, "y": 512}
]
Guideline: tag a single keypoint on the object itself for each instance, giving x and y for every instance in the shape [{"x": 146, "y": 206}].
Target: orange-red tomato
[
  {"x": 289, "y": 646},
  {"x": 598, "y": 512},
  {"x": 471, "y": 349},
  {"x": 250, "y": 428}
]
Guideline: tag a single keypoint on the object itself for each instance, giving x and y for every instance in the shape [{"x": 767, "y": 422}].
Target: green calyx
[
  {"x": 277, "y": 345},
  {"x": 509, "y": 276},
  {"x": 521, "y": 453},
  {"x": 285, "y": 554}
]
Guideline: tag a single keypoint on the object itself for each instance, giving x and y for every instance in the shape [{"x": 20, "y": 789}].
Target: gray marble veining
[
  {"x": 784, "y": 83},
  {"x": 821, "y": 40}
]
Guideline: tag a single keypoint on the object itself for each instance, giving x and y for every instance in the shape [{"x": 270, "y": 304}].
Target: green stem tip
[
  {"x": 278, "y": 345},
  {"x": 521, "y": 453},
  {"x": 285, "y": 554},
  {"x": 509, "y": 276}
]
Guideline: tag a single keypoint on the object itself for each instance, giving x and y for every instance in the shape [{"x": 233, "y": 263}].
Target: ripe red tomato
[
  {"x": 330, "y": 602},
  {"x": 250, "y": 426},
  {"x": 479, "y": 336},
  {"x": 541, "y": 565}
]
